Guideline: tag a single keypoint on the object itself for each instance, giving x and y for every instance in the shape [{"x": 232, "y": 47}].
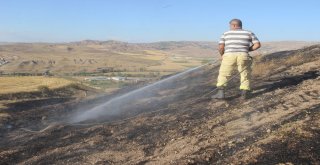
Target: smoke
[{"x": 136, "y": 101}]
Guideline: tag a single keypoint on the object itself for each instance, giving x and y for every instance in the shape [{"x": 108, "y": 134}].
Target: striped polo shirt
[{"x": 238, "y": 40}]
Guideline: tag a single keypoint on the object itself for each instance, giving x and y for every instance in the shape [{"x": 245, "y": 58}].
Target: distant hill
[
  {"x": 90, "y": 55},
  {"x": 192, "y": 48}
]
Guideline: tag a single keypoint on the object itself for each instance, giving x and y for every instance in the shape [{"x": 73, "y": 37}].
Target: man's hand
[
  {"x": 255, "y": 46},
  {"x": 221, "y": 49}
]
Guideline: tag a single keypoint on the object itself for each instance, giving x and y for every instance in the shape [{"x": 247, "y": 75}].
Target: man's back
[{"x": 238, "y": 40}]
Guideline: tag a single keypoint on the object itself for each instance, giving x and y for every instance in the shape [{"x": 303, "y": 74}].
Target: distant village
[
  {"x": 117, "y": 78},
  {"x": 3, "y": 61}
]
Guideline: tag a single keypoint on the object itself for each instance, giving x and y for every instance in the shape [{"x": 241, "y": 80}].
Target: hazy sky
[{"x": 155, "y": 20}]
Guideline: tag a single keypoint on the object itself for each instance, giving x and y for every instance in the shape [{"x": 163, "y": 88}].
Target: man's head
[{"x": 235, "y": 24}]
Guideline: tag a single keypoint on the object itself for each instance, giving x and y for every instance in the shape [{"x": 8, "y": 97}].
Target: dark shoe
[
  {"x": 245, "y": 94},
  {"x": 219, "y": 94}
]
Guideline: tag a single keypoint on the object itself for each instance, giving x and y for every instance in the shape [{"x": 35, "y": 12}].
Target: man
[{"x": 234, "y": 48}]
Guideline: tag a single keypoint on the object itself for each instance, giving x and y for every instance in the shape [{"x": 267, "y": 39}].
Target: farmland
[{"x": 30, "y": 83}]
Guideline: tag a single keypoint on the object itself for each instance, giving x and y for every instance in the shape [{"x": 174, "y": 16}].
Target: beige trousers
[{"x": 243, "y": 61}]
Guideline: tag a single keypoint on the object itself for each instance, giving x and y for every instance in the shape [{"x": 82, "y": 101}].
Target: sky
[{"x": 155, "y": 20}]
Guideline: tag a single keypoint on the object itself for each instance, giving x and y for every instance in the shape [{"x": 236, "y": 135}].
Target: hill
[
  {"x": 86, "y": 57},
  {"x": 181, "y": 125}
]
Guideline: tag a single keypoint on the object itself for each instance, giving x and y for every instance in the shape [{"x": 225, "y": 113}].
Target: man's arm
[
  {"x": 221, "y": 49},
  {"x": 255, "y": 46},
  {"x": 256, "y": 43},
  {"x": 221, "y": 45}
]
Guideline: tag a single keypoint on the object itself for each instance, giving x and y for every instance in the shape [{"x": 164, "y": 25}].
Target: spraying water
[{"x": 123, "y": 104}]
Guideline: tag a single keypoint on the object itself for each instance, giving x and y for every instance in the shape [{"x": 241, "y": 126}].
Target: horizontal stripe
[
  {"x": 236, "y": 36},
  {"x": 239, "y": 44},
  {"x": 236, "y": 46},
  {"x": 237, "y": 41}
]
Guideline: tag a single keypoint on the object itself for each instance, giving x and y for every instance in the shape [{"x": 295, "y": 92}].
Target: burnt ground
[{"x": 280, "y": 124}]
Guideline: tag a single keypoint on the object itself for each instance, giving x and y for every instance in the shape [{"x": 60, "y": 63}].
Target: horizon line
[{"x": 111, "y": 40}]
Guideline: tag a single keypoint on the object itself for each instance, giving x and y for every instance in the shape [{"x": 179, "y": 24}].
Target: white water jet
[{"x": 115, "y": 106}]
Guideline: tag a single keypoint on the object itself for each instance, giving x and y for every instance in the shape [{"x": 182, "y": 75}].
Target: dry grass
[
  {"x": 261, "y": 69},
  {"x": 155, "y": 52},
  {"x": 294, "y": 60},
  {"x": 30, "y": 83},
  {"x": 168, "y": 66},
  {"x": 154, "y": 57},
  {"x": 173, "y": 65},
  {"x": 264, "y": 68}
]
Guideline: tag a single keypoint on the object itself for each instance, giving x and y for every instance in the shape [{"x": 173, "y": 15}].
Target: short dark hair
[{"x": 238, "y": 21}]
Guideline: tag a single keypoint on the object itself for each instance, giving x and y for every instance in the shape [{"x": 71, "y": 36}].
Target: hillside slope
[{"x": 279, "y": 124}]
